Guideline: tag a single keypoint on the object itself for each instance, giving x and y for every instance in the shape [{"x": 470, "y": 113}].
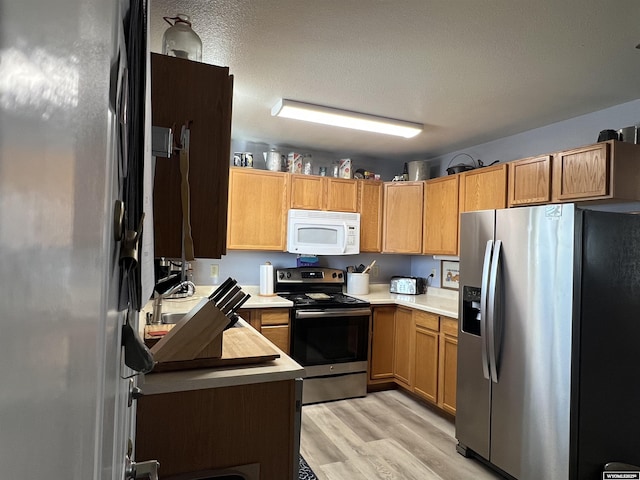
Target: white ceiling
[{"x": 470, "y": 70}]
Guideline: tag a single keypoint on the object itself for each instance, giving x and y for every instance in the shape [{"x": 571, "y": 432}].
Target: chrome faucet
[{"x": 156, "y": 316}]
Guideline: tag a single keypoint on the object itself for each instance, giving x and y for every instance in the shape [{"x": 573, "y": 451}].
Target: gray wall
[
  {"x": 564, "y": 135},
  {"x": 387, "y": 168},
  {"x": 245, "y": 266}
]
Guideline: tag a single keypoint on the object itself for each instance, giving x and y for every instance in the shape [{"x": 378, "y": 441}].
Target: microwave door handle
[{"x": 344, "y": 234}]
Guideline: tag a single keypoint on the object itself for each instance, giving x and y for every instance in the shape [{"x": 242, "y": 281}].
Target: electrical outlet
[
  {"x": 215, "y": 270},
  {"x": 375, "y": 271},
  {"x": 433, "y": 272}
]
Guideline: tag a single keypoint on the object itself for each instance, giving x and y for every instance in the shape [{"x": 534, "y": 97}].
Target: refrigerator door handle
[
  {"x": 483, "y": 307},
  {"x": 492, "y": 308}
]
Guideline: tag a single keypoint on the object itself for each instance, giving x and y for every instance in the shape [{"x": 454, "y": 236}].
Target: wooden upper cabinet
[
  {"x": 483, "y": 188},
  {"x": 370, "y": 208},
  {"x": 530, "y": 181},
  {"x": 307, "y": 192},
  {"x": 402, "y": 219},
  {"x": 342, "y": 195},
  {"x": 603, "y": 171},
  {"x": 441, "y": 216},
  {"x": 182, "y": 90},
  {"x": 582, "y": 173},
  {"x": 258, "y": 204},
  {"x": 310, "y": 192}
]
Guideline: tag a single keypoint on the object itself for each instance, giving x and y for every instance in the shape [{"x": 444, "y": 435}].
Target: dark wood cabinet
[
  {"x": 194, "y": 432},
  {"x": 201, "y": 94}
]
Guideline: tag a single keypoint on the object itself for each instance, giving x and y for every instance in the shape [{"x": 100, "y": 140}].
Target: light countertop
[
  {"x": 437, "y": 300},
  {"x": 185, "y": 304}
]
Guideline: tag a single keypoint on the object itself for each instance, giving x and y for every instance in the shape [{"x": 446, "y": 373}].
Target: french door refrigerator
[{"x": 548, "y": 357}]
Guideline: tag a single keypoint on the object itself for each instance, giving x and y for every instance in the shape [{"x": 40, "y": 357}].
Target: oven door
[{"x": 330, "y": 336}]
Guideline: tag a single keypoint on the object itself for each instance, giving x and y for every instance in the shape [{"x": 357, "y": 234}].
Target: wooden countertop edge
[{"x": 282, "y": 368}]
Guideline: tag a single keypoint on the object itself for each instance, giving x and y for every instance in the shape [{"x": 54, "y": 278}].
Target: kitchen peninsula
[{"x": 240, "y": 418}]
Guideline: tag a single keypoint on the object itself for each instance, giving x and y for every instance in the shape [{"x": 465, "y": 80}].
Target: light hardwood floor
[{"x": 386, "y": 435}]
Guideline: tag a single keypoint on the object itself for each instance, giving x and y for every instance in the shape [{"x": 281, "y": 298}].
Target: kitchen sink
[{"x": 172, "y": 317}]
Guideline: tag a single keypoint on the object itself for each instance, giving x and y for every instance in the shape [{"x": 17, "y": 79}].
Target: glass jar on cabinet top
[{"x": 179, "y": 40}]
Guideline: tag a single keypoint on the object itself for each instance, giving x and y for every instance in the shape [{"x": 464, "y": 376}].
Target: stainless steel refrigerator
[{"x": 548, "y": 357}]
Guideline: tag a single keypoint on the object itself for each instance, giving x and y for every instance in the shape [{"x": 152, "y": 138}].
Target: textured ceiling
[{"x": 470, "y": 70}]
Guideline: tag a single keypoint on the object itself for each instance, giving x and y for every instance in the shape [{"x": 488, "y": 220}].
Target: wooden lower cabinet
[
  {"x": 426, "y": 345},
  {"x": 273, "y": 323},
  {"x": 448, "y": 364},
  {"x": 416, "y": 350},
  {"x": 382, "y": 343},
  {"x": 402, "y": 351},
  {"x": 202, "y": 430}
]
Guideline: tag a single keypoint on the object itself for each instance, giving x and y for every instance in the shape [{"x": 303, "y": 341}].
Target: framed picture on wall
[{"x": 450, "y": 274}]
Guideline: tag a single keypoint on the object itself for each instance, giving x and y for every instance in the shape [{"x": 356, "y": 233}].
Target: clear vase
[{"x": 180, "y": 40}]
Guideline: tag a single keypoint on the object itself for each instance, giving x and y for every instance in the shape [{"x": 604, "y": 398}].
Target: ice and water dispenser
[{"x": 471, "y": 310}]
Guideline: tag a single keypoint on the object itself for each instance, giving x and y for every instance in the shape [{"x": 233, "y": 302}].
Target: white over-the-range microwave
[{"x": 319, "y": 232}]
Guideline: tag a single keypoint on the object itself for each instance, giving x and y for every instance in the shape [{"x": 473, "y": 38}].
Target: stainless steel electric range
[{"x": 329, "y": 332}]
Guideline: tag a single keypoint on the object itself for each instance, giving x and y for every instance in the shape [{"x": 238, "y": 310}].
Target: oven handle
[{"x": 333, "y": 312}]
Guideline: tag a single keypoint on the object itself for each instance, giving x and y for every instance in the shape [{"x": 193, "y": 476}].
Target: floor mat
[{"x": 305, "y": 472}]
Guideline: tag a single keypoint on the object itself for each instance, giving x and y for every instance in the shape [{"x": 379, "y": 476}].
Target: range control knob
[
  {"x": 288, "y": 274},
  {"x": 281, "y": 275},
  {"x": 334, "y": 275},
  {"x": 340, "y": 275}
]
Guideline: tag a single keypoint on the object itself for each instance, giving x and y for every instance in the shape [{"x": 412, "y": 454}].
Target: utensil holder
[{"x": 358, "y": 283}]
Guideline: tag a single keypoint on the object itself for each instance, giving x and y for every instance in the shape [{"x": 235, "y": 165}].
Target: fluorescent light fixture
[{"x": 344, "y": 118}]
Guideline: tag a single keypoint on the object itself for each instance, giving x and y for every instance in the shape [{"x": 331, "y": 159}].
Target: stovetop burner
[
  {"x": 323, "y": 299},
  {"x": 320, "y": 287}
]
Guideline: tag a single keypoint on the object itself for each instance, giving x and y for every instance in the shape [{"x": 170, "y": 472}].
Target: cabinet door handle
[{"x": 146, "y": 470}]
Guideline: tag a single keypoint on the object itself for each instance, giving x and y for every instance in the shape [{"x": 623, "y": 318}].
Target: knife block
[{"x": 197, "y": 335}]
